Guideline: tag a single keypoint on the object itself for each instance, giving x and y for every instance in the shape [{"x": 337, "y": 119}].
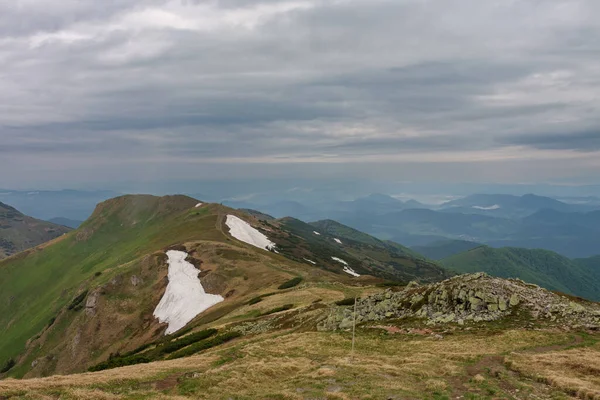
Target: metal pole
[{"x": 353, "y": 329}]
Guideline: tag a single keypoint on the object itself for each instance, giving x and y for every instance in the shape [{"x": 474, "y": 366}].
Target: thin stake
[{"x": 353, "y": 328}]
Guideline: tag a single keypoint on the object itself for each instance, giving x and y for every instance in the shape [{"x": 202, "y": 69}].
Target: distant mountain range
[
  {"x": 19, "y": 232},
  {"x": 548, "y": 269},
  {"x": 498, "y": 220},
  {"x": 47, "y": 204}
]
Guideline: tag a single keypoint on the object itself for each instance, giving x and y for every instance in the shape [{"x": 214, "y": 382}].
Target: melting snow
[
  {"x": 347, "y": 268},
  {"x": 185, "y": 297},
  {"x": 198, "y": 205},
  {"x": 338, "y": 240},
  {"x": 350, "y": 271},
  {"x": 310, "y": 261},
  {"x": 494, "y": 207},
  {"x": 243, "y": 231},
  {"x": 316, "y": 233}
]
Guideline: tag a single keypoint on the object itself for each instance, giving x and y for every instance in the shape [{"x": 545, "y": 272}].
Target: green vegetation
[
  {"x": 346, "y": 302},
  {"x": 76, "y": 303},
  {"x": 173, "y": 346},
  {"x": 365, "y": 254},
  {"x": 291, "y": 283},
  {"x": 36, "y": 286},
  {"x": 284, "y": 307},
  {"x": 7, "y": 366},
  {"x": 445, "y": 248},
  {"x": 204, "y": 345},
  {"x": 116, "y": 362},
  {"x": 542, "y": 267}
]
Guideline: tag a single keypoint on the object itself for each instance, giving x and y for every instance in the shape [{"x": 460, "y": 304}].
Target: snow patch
[
  {"x": 310, "y": 261},
  {"x": 244, "y": 232},
  {"x": 316, "y": 233},
  {"x": 350, "y": 271},
  {"x": 198, "y": 205},
  {"x": 347, "y": 268},
  {"x": 494, "y": 207},
  {"x": 337, "y": 240},
  {"x": 185, "y": 297},
  {"x": 339, "y": 260}
]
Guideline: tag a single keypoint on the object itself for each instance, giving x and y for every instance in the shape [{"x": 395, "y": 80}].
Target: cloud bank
[{"x": 147, "y": 89}]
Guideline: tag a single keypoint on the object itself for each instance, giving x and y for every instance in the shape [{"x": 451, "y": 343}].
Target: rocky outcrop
[{"x": 475, "y": 297}]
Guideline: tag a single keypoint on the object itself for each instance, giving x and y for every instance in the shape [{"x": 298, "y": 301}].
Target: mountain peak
[{"x": 134, "y": 208}]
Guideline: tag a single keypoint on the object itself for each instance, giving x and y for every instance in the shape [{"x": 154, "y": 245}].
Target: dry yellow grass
[
  {"x": 291, "y": 365},
  {"x": 575, "y": 371}
]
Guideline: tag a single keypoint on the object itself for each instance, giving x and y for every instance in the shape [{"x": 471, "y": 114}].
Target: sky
[{"x": 101, "y": 93}]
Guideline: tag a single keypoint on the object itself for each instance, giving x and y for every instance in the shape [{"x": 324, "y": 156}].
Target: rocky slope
[
  {"x": 469, "y": 298},
  {"x": 19, "y": 232}
]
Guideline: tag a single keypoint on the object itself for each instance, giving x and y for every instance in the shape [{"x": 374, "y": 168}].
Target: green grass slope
[
  {"x": 35, "y": 285},
  {"x": 364, "y": 253},
  {"x": 70, "y": 303},
  {"x": 19, "y": 232},
  {"x": 444, "y": 248},
  {"x": 542, "y": 267}
]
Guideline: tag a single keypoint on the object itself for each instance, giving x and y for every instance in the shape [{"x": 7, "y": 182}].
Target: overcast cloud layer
[{"x": 498, "y": 90}]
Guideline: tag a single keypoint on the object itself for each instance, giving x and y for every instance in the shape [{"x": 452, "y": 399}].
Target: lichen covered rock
[{"x": 472, "y": 297}]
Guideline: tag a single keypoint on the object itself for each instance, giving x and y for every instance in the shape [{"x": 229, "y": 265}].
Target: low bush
[
  {"x": 278, "y": 309},
  {"x": 76, "y": 303},
  {"x": 204, "y": 345},
  {"x": 116, "y": 362},
  {"x": 291, "y": 283},
  {"x": 186, "y": 341},
  {"x": 8, "y": 366},
  {"x": 255, "y": 300},
  {"x": 346, "y": 302}
]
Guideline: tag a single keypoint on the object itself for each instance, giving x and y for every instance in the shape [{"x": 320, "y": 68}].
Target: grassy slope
[
  {"x": 300, "y": 364},
  {"x": 19, "y": 232},
  {"x": 125, "y": 237},
  {"x": 36, "y": 284},
  {"x": 444, "y": 248},
  {"x": 364, "y": 253},
  {"x": 543, "y": 267}
]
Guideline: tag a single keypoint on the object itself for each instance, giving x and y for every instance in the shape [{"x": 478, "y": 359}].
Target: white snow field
[
  {"x": 339, "y": 260},
  {"x": 310, "y": 261},
  {"x": 316, "y": 233},
  {"x": 494, "y": 207},
  {"x": 337, "y": 240},
  {"x": 198, "y": 205},
  {"x": 244, "y": 232},
  {"x": 347, "y": 268},
  {"x": 185, "y": 297}
]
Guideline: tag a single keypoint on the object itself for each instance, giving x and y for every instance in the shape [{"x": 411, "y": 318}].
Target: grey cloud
[
  {"x": 343, "y": 79},
  {"x": 584, "y": 141}
]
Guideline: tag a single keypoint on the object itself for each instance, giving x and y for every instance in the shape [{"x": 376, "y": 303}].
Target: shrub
[
  {"x": 116, "y": 362},
  {"x": 187, "y": 340},
  {"x": 291, "y": 283},
  {"x": 8, "y": 366},
  {"x": 391, "y": 284},
  {"x": 255, "y": 300},
  {"x": 204, "y": 345},
  {"x": 278, "y": 309},
  {"x": 51, "y": 322},
  {"x": 346, "y": 302},
  {"x": 76, "y": 303}
]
